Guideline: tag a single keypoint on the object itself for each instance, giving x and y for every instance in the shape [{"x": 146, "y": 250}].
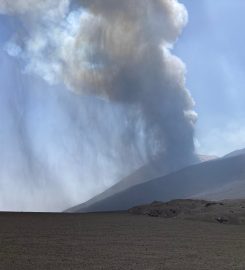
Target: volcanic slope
[
  {"x": 152, "y": 170},
  {"x": 235, "y": 153},
  {"x": 186, "y": 183}
]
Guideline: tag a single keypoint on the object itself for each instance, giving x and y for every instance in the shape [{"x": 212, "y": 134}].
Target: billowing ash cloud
[
  {"x": 119, "y": 52},
  {"x": 24, "y": 7},
  {"x": 129, "y": 61}
]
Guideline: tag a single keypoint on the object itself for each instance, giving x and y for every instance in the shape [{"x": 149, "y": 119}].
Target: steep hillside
[
  {"x": 235, "y": 153},
  {"x": 185, "y": 183},
  {"x": 152, "y": 170}
]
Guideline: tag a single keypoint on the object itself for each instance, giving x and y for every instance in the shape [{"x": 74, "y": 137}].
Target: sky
[
  {"x": 212, "y": 47},
  {"x": 52, "y": 122}
]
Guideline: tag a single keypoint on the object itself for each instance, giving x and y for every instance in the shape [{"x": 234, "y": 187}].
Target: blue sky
[
  {"x": 50, "y": 123},
  {"x": 212, "y": 46}
]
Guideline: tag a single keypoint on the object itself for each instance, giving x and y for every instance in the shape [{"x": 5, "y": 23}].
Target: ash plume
[
  {"x": 129, "y": 61},
  {"x": 120, "y": 53}
]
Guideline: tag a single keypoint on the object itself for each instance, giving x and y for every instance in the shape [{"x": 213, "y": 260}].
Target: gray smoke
[
  {"x": 128, "y": 60},
  {"x": 118, "y": 52}
]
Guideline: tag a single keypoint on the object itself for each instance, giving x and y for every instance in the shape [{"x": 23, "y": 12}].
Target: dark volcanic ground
[
  {"x": 227, "y": 211},
  {"x": 117, "y": 241}
]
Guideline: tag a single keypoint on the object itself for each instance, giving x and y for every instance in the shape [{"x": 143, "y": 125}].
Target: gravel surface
[
  {"x": 228, "y": 211},
  {"x": 117, "y": 241}
]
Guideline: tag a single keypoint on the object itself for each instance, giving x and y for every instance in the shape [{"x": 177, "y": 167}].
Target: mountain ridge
[{"x": 184, "y": 183}]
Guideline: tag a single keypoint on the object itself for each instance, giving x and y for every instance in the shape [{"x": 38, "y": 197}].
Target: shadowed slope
[
  {"x": 181, "y": 184},
  {"x": 235, "y": 153},
  {"x": 152, "y": 170}
]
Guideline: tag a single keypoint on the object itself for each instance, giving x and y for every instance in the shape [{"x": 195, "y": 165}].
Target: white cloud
[{"x": 223, "y": 140}]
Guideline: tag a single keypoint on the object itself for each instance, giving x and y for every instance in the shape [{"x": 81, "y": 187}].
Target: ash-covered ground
[{"x": 118, "y": 240}]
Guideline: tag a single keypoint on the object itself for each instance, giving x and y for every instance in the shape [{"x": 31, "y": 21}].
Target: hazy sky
[
  {"x": 212, "y": 46},
  {"x": 43, "y": 127}
]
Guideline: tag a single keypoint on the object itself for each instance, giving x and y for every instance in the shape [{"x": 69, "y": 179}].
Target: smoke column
[{"x": 127, "y": 102}]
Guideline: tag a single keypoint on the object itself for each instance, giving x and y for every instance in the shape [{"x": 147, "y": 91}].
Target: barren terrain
[
  {"x": 227, "y": 211},
  {"x": 117, "y": 241},
  {"x": 213, "y": 180}
]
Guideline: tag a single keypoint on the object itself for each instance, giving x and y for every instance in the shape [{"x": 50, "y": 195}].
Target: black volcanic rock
[{"x": 225, "y": 212}]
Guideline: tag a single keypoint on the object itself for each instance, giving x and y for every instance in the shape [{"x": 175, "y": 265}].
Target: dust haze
[{"x": 116, "y": 96}]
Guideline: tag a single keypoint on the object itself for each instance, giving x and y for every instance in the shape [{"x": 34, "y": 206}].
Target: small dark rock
[
  {"x": 210, "y": 204},
  {"x": 213, "y": 203},
  {"x": 154, "y": 213},
  {"x": 222, "y": 220}
]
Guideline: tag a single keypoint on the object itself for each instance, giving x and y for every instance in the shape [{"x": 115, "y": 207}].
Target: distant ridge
[
  {"x": 184, "y": 183},
  {"x": 235, "y": 153},
  {"x": 153, "y": 169}
]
